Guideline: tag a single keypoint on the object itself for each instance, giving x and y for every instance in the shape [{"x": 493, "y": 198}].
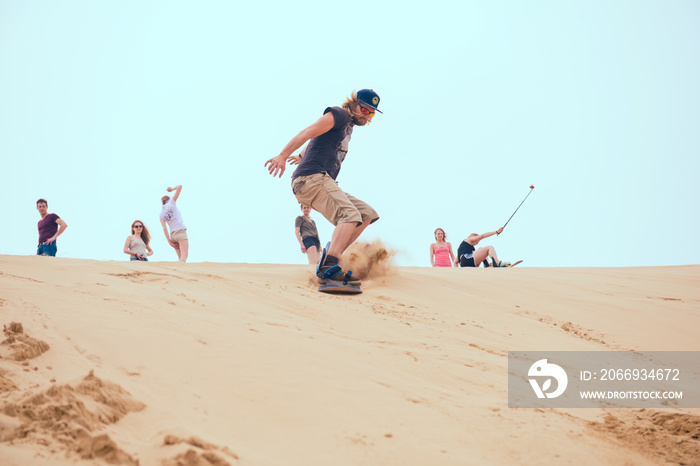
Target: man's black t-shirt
[{"x": 326, "y": 152}]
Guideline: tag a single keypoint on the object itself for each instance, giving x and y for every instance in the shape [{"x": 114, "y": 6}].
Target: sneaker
[{"x": 335, "y": 273}]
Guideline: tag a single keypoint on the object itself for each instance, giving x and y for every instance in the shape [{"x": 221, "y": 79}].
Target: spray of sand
[{"x": 368, "y": 260}]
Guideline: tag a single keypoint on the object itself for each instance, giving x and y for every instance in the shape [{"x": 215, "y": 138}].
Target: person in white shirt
[{"x": 171, "y": 215}]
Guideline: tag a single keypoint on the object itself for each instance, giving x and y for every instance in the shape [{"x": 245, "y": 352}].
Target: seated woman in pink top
[{"x": 441, "y": 254}]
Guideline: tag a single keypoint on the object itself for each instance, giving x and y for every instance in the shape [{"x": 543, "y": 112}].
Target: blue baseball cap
[{"x": 369, "y": 98}]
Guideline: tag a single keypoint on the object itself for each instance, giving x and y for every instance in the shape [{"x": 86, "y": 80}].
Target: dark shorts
[
  {"x": 47, "y": 249},
  {"x": 467, "y": 262},
  {"x": 311, "y": 241},
  {"x": 134, "y": 258}
]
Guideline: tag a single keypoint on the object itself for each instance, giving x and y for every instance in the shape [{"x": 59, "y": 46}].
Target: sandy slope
[{"x": 207, "y": 363}]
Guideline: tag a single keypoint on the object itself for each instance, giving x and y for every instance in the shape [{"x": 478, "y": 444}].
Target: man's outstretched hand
[{"x": 276, "y": 165}]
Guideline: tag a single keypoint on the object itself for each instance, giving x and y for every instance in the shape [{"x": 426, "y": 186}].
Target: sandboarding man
[{"x": 314, "y": 181}]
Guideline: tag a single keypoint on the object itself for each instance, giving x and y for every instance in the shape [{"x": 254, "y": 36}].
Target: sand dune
[{"x": 164, "y": 363}]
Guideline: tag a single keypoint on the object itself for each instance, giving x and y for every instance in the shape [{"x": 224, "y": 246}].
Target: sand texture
[{"x": 164, "y": 363}]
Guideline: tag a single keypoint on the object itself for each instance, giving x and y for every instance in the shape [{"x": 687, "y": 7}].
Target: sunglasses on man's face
[{"x": 366, "y": 111}]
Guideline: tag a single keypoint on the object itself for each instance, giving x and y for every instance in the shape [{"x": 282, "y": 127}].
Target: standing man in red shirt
[{"x": 51, "y": 226}]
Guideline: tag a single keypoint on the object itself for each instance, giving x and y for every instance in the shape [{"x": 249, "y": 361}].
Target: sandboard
[
  {"x": 333, "y": 286},
  {"x": 514, "y": 264}
]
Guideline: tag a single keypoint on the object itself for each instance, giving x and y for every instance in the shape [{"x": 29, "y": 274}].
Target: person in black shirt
[{"x": 469, "y": 256}]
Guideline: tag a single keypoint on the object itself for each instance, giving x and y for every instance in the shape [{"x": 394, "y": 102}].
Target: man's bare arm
[
  {"x": 321, "y": 126},
  {"x": 177, "y": 190}
]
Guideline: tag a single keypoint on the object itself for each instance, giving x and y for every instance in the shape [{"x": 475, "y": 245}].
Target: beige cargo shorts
[
  {"x": 321, "y": 192},
  {"x": 178, "y": 235}
]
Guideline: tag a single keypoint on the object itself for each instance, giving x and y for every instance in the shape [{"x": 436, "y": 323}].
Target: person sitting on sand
[
  {"x": 469, "y": 256},
  {"x": 441, "y": 250},
  {"x": 137, "y": 244},
  {"x": 307, "y": 235}
]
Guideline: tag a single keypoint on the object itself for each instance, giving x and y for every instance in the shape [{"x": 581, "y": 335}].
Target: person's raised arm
[
  {"x": 277, "y": 164},
  {"x": 178, "y": 190},
  {"x": 490, "y": 233}
]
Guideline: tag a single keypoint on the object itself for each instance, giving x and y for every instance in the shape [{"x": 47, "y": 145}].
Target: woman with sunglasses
[{"x": 137, "y": 244}]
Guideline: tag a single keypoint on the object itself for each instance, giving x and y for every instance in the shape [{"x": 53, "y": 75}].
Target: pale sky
[{"x": 103, "y": 105}]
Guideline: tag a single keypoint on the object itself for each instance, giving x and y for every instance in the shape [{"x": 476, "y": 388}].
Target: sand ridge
[{"x": 164, "y": 363}]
